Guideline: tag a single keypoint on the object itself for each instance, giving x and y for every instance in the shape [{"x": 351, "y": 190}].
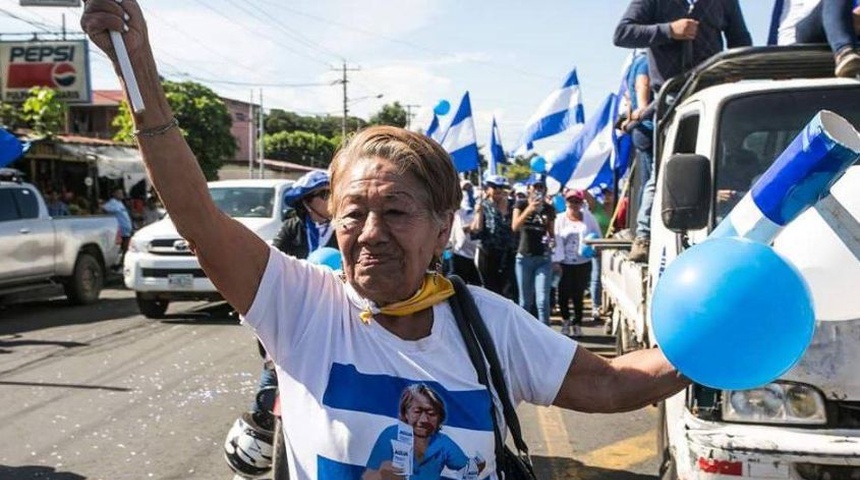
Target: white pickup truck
[
  {"x": 42, "y": 256},
  {"x": 718, "y": 129},
  {"x": 160, "y": 268}
]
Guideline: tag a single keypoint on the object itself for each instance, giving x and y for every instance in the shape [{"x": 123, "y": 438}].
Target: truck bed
[{"x": 624, "y": 295}]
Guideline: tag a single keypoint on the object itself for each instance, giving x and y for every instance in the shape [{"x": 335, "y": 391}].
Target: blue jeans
[
  {"x": 268, "y": 378},
  {"x": 534, "y": 278},
  {"x": 594, "y": 285},
  {"x": 642, "y": 140},
  {"x": 830, "y": 21}
]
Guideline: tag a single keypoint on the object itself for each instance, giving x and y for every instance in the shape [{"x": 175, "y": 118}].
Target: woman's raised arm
[{"x": 233, "y": 257}]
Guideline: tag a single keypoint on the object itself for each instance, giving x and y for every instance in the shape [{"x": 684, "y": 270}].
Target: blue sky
[{"x": 508, "y": 54}]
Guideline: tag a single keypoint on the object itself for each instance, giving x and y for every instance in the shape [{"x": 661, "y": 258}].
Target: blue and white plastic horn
[{"x": 801, "y": 176}]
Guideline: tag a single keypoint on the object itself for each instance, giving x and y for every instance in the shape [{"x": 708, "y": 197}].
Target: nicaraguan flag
[
  {"x": 561, "y": 110},
  {"x": 433, "y": 130},
  {"x": 586, "y": 161},
  {"x": 623, "y": 153},
  {"x": 10, "y": 148},
  {"x": 460, "y": 140},
  {"x": 497, "y": 153}
]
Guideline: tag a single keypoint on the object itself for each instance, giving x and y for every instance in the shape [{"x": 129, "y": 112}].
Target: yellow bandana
[{"x": 436, "y": 288}]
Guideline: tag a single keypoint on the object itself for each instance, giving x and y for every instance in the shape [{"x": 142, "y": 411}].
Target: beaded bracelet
[{"x": 156, "y": 131}]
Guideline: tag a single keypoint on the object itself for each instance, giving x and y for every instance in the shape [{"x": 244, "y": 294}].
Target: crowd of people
[{"x": 346, "y": 346}]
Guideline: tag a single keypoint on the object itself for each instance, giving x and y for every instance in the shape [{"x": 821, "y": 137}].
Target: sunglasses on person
[{"x": 324, "y": 194}]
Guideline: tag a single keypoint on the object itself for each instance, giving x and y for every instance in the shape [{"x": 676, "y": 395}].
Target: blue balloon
[
  {"x": 560, "y": 204},
  {"x": 538, "y": 164},
  {"x": 442, "y": 108},
  {"x": 327, "y": 256},
  {"x": 732, "y": 314}
]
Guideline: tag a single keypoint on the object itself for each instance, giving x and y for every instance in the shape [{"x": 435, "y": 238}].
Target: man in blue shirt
[
  {"x": 680, "y": 34},
  {"x": 116, "y": 207}
]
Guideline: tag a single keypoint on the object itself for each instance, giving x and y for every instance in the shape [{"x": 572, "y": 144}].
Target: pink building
[{"x": 244, "y": 117}]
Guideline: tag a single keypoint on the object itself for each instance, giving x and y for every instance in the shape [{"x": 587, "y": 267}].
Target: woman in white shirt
[{"x": 570, "y": 230}]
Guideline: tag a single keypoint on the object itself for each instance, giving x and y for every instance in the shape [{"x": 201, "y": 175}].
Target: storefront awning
[{"x": 113, "y": 161}]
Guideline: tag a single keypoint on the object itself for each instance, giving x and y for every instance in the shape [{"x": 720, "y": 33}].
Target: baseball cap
[
  {"x": 306, "y": 184},
  {"x": 520, "y": 187},
  {"x": 498, "y": 181},
  {"x": 574, "y": 193},
  {"x": 536, "y": 179}
]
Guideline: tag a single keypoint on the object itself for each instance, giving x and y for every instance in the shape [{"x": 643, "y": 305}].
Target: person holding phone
[{"x": 534, "y": 219}]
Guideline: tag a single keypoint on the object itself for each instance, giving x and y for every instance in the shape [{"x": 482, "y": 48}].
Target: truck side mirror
[{"x": 686, "y": 192}]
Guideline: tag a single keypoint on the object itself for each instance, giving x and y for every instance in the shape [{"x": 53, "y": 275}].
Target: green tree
[
  {"x": 10, "y": 116},
  {"x": 305, "y": 148},
  {"x": 518, "y": 171},
  {"x": 43, "y": 111},
  {"x": 391, "y": 114},
  {"x": 204, "y": 120}
]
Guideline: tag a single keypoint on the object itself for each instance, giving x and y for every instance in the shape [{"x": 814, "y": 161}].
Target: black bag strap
[
  {"x": 477, "y": 359},
  {"x": 474, "y": 331}
]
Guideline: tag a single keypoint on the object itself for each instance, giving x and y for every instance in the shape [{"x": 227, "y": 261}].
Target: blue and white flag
[
  {"x": 10, "y": 148},
  {"x": 460, "y": 140},
  {"x": 433, "y": 130},
  {"x": 624, "y": 150},
  {"x": 586, "y": 161},
  {"x": 497, "y": 153},
  {"x": 561, "y": 110}
]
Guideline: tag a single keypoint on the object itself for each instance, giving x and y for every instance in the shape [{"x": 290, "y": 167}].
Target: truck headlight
[
  {"x": 778, "y": 402},
  {"x": 137, "y": 245}
]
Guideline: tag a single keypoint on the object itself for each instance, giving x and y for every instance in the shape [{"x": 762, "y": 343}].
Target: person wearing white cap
[
  {"x": 492, "y": 227},
  {"x": 463, "y": 247}
]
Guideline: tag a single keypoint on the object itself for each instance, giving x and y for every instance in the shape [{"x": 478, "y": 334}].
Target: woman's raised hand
[{"x": 124, "y": 16}]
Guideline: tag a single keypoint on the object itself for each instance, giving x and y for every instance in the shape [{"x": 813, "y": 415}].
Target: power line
[
  {"x": 266, "y": 18},
  {"x": 507, "y": 68},
  {"x": 261, "y": 34}
]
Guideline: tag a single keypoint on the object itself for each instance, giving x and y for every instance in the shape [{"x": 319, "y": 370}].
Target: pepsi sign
[{"x": 59, "y": 65}]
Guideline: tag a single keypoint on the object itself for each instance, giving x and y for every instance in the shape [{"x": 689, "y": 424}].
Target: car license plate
[{"x": 180, "y": 280}]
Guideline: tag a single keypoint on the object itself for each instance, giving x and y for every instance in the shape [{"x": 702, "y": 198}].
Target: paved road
[{"x": 100, "y": 392}]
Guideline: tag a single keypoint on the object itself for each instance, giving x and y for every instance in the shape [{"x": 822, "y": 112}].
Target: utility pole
[
  {"x": 251, "y": 136},
  {"x": 344, "y": 81},
  {"x": 409, "y": 114},
  {"x": 260, "y": 153}
]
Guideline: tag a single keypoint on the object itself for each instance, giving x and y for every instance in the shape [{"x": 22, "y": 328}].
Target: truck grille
[
  {"x": 170, "y": 247},
  {"x": 164, "y": 272}
]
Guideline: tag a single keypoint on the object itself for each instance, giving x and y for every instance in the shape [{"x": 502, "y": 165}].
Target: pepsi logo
[{"x": 64, "y": 74}]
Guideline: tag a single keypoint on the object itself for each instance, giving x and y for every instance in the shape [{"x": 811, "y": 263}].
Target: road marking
[
  {"x": 620, "y": 455},
  {"x": 554, "y": 432},
  {"x": 623, "y": 454}
]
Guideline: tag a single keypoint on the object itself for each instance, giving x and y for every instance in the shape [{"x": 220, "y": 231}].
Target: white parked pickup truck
[
  {"x": 160, "y": 268},
  {"x": 42, "y": 256}
]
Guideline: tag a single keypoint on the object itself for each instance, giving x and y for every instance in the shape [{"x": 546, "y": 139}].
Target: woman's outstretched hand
[{"x": 124, "y": 16}]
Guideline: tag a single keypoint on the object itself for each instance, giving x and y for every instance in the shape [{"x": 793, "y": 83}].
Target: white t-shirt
[
  {"x": 461, "y": 242},
  {"x": 341, "y": 379},
  {"x": 569, "y": 235},
  {"x": 793, "y": 11}
]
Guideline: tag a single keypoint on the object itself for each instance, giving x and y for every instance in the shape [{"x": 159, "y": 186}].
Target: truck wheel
[
  {"x": 151, "y": 307},
  {"x": 87, "y": 280},
  {"x": 280, "y": 468}
]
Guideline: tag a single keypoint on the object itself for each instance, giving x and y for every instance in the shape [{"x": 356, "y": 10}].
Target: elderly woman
[{"x": 344, "y": 346}]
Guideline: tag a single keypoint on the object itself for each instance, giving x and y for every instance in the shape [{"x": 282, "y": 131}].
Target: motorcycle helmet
[{"x": 248, "y": 447}]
